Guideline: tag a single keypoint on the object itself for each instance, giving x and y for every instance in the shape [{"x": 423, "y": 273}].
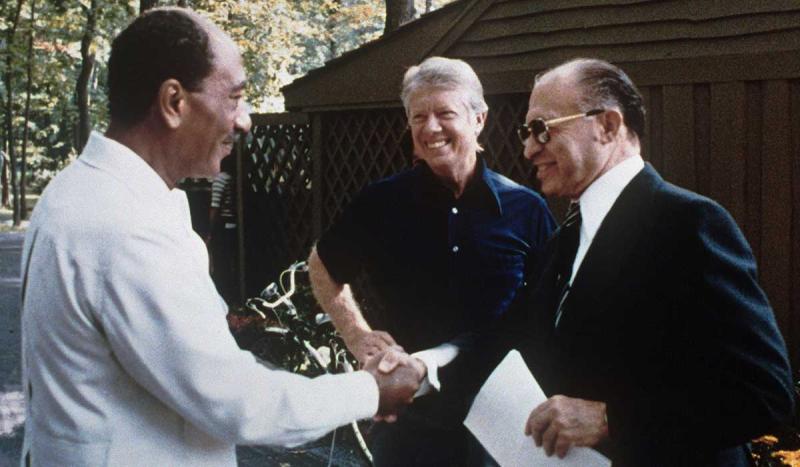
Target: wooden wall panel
[
  {"x": 753, "y": 142},
  {"x": 636, "y": 9},
  {"x": 645, "y": 139},
  {"x": 678, "y": 136},
  {"x": 509, "y": 9},
  {"x": 518, "y": 53},
  {"x": 739, "y": 144},
  {"x": 726, "y": 182},
  {"x": 654, "y": 137},
  {"x": 793, "y": 341},
  {"x": 776, "y": 200},
  {"x": 617, "y": 25},
  {"x": 702, "y": 138}
]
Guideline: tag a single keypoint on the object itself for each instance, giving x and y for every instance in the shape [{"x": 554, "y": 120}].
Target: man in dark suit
[{"x": 646, "y": 325}]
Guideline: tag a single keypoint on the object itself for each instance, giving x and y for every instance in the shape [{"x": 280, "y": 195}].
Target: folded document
[{"x": 499, "y": 413}]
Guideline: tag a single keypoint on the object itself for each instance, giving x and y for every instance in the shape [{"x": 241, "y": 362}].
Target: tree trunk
[
  {"x": 4, "y": 179},
  {"x": 145, "y": 5},
  {"x": 330, "y": 25},
  {"x": 23, "y": 170},
  {"x": 398, "y": 12},
  {"x": 87, "y": 65},
  {"x": 10, "y": 33}
]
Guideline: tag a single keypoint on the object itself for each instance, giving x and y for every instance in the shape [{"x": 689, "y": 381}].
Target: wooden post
[{"x": 317, "y": 170}]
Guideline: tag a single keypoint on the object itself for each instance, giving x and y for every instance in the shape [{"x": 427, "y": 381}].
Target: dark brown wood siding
[
  {"x": 532, "y": 35},
  {"x": 739, "y": 144}
]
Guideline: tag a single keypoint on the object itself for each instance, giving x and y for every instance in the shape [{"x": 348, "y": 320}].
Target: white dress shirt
[
  {"x": 597, "y": 200},
  {"x": 127, "y": 357}
]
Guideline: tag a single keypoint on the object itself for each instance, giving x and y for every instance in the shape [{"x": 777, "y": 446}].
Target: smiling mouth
[
  {"x": 436, "y": 144},
  {"x": 544, "y": 167}
]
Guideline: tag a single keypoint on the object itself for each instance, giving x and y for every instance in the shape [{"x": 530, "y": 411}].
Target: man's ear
[
  {"x": 480, "y": 121},
  {"x": 171, "y": 102},
  {"x": 610, "y": 122}
]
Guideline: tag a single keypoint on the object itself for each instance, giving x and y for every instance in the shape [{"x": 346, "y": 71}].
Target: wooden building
[{"x": 721, "y": 80}]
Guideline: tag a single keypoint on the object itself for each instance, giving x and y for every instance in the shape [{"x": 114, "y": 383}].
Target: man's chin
[{"x": 547, "y": 189}]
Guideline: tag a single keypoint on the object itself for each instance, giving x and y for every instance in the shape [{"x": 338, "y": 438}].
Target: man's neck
[
  {"x": 144, "y": 141},
  {"x": 625, "y": 148},
  {"x": 457, "y": 177}
]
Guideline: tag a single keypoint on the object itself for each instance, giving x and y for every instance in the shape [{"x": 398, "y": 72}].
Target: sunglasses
[{"x": 540, "y": 128}]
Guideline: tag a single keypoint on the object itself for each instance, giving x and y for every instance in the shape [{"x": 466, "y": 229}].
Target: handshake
[{"x": 398, "y": 374}]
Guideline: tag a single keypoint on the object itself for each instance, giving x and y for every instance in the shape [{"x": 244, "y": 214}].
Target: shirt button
[
  {"x": 454, "y": 210},
  {"x": 455, "y": 249}
]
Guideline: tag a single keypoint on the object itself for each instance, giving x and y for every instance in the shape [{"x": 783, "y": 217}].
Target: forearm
[{"x": 336, "y": 300}]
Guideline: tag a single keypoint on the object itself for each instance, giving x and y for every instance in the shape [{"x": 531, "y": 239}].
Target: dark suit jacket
[{"x": 665, "y": 322}]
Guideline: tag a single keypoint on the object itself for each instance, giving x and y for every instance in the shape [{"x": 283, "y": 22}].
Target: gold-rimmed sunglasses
[{"x": 540, "y": 128}]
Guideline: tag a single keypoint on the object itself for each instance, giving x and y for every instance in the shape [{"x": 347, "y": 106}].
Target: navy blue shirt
[{"x": 440, "y": 266}]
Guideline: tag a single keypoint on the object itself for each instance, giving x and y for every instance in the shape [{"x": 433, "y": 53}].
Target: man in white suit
[{"x": 127, "y": 359}]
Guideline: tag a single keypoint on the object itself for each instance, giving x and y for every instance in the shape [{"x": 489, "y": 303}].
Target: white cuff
[{"x": 434, "y": 359}]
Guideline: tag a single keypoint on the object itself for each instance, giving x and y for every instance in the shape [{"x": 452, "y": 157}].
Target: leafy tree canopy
[{"x": 280, "y": 41}]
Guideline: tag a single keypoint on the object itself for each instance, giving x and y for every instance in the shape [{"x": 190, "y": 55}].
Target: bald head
[
  {"x": 160, "y": 44},
  {"x": 602, "y": 85}
]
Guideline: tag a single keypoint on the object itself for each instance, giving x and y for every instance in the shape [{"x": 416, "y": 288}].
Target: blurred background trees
[{"x": 53, "y": 55}]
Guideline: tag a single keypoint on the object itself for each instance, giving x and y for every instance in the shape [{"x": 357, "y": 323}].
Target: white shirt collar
[
  {"x": 121, "y": 162},
  {"x": 133, "y": 172},
  {"x": 598, "y": 198}
]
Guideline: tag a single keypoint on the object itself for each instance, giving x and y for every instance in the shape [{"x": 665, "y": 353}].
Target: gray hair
[{"x": 444, "y": 73}]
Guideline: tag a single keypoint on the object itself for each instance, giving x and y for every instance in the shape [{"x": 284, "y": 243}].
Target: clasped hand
[{"x": 398, "y": 376}]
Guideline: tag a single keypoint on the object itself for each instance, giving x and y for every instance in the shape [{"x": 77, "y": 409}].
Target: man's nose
[
  {"x": 243, "y": 122},
  {"x": 531, "y": 147},
  {"x": 432, "y": 124}
]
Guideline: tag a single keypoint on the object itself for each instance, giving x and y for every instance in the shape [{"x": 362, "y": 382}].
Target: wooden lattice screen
[
  {"x": 359, "y": 147},
  {"x": 277, "y": 169}
]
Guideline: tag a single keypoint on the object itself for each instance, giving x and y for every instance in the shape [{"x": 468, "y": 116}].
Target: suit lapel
[{"x": 623, "y": 227}]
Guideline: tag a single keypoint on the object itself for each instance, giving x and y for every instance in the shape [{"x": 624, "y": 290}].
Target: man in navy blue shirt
[{"x": 445, "y": 246}]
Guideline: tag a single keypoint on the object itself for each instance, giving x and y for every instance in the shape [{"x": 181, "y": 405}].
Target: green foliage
[
  {"x": 58, "y": 27},
  {"x": 280, "y": 41}
]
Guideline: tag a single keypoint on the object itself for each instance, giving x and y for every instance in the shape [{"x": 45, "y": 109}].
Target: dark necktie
[{"x": 568, "y": 239}]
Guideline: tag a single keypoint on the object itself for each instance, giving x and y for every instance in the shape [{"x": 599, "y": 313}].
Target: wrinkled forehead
[
  {"x": 555, "y": 94},
  {"x": 430, "y": 96},
  {"x": 222, "y": 46},
  {"x": 226, "y": 57}
]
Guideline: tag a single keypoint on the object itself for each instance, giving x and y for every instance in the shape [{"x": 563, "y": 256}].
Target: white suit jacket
[{"x": 127, "y": 357}]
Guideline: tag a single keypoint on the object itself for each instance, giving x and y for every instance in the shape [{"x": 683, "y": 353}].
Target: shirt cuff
[
  {"x": 433, "y": 359},
  {"x": 365, "y": 386}
]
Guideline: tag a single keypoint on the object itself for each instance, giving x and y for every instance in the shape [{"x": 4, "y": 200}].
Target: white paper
[{"x": 499, "y": 413}]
